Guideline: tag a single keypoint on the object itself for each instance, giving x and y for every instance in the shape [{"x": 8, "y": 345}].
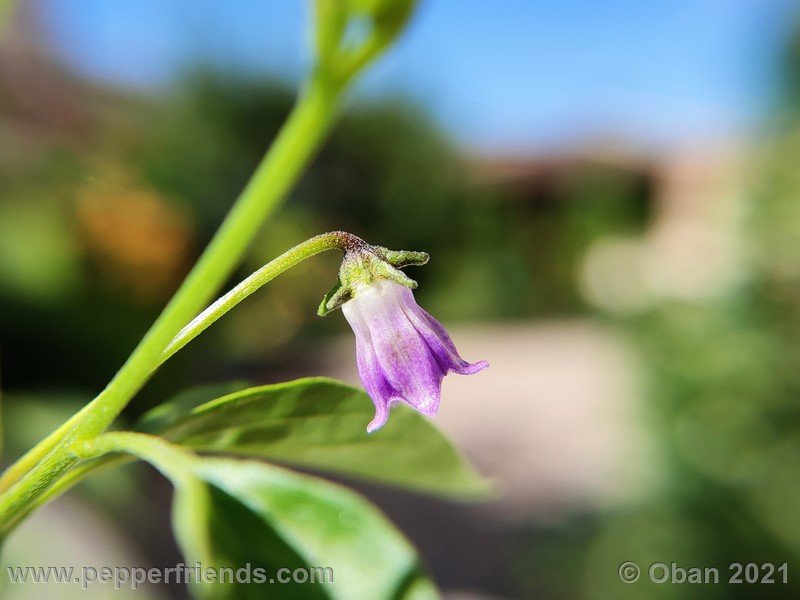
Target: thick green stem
[
  {"x": 61, "y": 460},
  {"x": 327, "y": 241},
  {"x": 28, "y": 480},
  {"x": 334, "y": 240},
  {"x": 298, "y": 140},
  {"x": 280, "y": 169}
]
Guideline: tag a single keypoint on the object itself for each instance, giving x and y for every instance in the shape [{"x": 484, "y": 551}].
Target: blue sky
[{"x": 499, "y": 74}]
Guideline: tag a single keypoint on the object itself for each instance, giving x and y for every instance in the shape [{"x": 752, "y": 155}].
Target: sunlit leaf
[
  {"x": 250, "y": 517},
  {"x": 320, "y": 423}
]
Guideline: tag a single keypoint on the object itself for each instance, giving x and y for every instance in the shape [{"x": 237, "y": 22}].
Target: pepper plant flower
[{"x": 402, "y": 352}]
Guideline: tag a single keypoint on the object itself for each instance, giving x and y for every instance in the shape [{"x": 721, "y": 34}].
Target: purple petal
[
  {"x": 402, "y": 352},
  {"x": 369, "y": 371},
  {"x": 437, "y": 338},
  {"x": 402, "y": 355}
]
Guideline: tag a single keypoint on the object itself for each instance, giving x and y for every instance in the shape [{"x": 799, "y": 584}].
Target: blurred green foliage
[
  {"x": 722, "y": 378},
  {"x": 722, "y": 390},
  {"x": 115, "y": 211}
]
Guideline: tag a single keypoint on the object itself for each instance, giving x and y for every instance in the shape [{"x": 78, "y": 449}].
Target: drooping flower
[{"x": 402, "y": 352}]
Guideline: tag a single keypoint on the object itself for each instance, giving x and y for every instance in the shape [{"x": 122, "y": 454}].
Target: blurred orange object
[{"x": 137, "y": 239}]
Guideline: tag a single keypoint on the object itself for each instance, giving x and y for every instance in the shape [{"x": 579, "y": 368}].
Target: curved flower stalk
[
  {"x": 348, "y": 35},
  {"x": 402, "y": 352}
]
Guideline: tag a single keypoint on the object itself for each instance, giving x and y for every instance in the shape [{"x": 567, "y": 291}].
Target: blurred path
[{"x": 555, "y": 419}]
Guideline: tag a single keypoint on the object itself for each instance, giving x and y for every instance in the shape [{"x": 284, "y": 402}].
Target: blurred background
[{"x": 608, "y": 191}]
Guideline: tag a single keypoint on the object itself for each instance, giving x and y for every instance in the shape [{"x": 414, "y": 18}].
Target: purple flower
[{"x": 403, "y": 353}]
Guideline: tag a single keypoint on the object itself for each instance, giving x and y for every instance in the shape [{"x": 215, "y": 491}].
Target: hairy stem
[
  {"x": 335, "y": 240},
  {"x": 298, "y": 140},
  {"x": 29, "y": 479},
  {"x": 327, "y": 241},
  {"x": 55, "y": 461}
]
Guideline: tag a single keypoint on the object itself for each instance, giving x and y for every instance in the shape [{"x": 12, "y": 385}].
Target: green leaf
[
  {"x": 245, "y": 516},
  {"x": 320, "y": 423},
  {"x": 164, "y": 415}
]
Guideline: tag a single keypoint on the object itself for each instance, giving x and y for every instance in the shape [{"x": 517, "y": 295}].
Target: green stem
[
  {"x": 29, "y": 479},
  {"x": 168, "y": 458},
  {"x": 298, "y": 140},
  {"x": 335, "y": 240},
  {"x": 74, "y": 477},
  {"x": 327, "y": 241},
  {"x": 280, "y": 169}
]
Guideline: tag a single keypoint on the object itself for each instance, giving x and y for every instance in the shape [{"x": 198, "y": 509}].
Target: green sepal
[
  {"x": 402, "y": 258},
  {"x": 338, "y": 295},
  {"x": 365, "y": 264},
  {"x": 383, "y": 270}
]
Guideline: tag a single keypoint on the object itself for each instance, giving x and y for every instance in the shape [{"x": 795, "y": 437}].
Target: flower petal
[
  {"x": 402, "y": 352},
  {"x": 404, "y": 358},
  {"x": 376, "y": 385},
  {"x": 437, "y": 338}
]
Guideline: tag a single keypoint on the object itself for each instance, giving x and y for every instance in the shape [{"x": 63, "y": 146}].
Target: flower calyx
[{"x": 364, "y": 264}]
